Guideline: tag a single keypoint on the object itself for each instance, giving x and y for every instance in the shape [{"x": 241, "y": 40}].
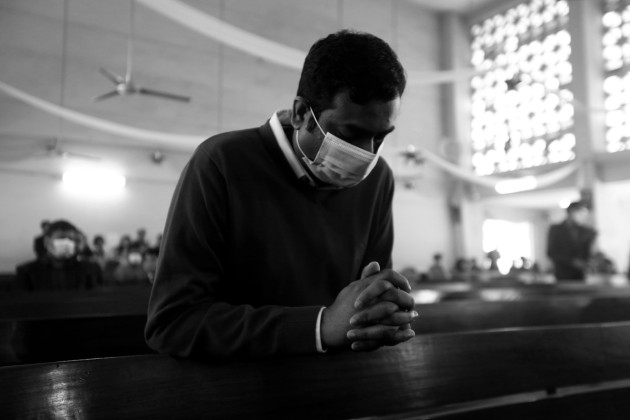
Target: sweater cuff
[
  {"x": 298, "y": 336},
  {"x": 318, "y": 332}
]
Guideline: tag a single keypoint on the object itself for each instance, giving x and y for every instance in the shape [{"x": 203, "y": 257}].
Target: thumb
[{"x": 371, "y": 268}]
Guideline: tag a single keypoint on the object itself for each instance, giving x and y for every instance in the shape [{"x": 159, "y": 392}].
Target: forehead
[{"x": 375, "y": 116}]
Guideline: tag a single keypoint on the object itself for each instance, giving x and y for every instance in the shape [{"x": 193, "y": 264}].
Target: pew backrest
[{"x": 426, "y": 373}]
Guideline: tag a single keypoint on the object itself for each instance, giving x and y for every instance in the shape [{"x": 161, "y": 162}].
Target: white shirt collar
[{"x": 287, "y": 150}]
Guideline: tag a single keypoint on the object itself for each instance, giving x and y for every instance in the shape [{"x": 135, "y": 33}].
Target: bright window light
[
  {"x": 616, "y": 54},
  {"x": 93, "y": 180},
  {"x": 512, "y": 240},
  {"x": 524, "y": 98}
]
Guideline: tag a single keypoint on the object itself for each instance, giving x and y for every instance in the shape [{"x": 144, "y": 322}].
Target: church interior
[{"x": 512, "y": 111}]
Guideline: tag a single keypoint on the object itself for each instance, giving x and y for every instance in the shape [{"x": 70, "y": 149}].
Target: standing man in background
[
  {"x": 279, "y": 238},
  {"x": 570, "y": 244}
]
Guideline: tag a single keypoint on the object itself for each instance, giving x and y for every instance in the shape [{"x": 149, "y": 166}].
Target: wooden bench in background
[
  {"x": 51, "y": 326},
  {"x": 46, "y": 327},
  {"x": 104, "y": 301},
  {"x": 471, "y": 315},
  {"x": 504, "y": 290},
  {"x": 431, "y": 375}
]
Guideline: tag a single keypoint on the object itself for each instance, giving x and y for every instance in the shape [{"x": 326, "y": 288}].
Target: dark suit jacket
[{"x": 569, "y": 246}]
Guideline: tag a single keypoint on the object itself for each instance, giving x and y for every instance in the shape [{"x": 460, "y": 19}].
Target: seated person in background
[
  {"x": 130, "y": 270},
  {"x": 38, "y": 243},
  {"x": 60, "y": 268},
  {"x": 99, "y": 254},
  {"x": 462, "y": 271},
  {"x": 84, "y": 251},
  {"x": 278, "y": 240},
  {"x": 140, "y": 243},
  {"x": 155, "y": 249},
  {"x": 437, "y": 271},
  {"x": 122, "y": 250}
]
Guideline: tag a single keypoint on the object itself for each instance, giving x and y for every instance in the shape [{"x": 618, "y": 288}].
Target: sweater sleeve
[
  {"x": 189, "y": 313},
  {"x": 381, "y": 239}
]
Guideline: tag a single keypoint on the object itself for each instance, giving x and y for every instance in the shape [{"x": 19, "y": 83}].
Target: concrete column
[
  {"x": 587, "y": 62},
  {"x": 456, "y": 130}
]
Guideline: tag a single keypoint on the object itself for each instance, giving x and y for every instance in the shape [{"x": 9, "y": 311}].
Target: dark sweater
[
  {"x": 250, "y": 253},
  {"x": 44, "y": 274}
]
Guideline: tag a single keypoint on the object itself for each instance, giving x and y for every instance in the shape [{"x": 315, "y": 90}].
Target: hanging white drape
[
  {"x": 272, "y": 51},
  {"x": 189, "y": 142},
  {"x": 501, "y": 184},
  {"x": 228, "y": 34},
  {"x": 180, "y": 141}
]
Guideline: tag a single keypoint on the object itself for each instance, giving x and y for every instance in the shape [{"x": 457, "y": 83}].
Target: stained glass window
[
  {"x": 616, "y": 51},
  {"x": 522, "y": 109}
]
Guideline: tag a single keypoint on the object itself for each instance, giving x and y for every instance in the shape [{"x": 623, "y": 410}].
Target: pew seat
[{"x": 426, "y": 376}]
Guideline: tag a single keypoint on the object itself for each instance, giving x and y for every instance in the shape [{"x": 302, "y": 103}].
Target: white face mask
[
  {"x": 338, "y": 162},
  {"x": 63, "y": 248}
]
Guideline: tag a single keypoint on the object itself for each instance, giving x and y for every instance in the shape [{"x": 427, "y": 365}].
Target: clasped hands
[{"x": 371, "y": 312}]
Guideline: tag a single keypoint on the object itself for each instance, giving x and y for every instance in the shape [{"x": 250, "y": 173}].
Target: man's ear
[{"x": 299, "y": 110}]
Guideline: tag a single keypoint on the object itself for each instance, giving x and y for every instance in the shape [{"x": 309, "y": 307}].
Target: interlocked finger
[{"x": 374, "y": 313}]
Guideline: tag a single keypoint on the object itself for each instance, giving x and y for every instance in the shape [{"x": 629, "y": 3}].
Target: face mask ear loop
[{"x": 316, "y": 122}]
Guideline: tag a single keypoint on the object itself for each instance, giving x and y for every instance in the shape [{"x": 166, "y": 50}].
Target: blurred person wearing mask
[
  {"x": 570, "y": 244},
  {"x": 60, "y": 268},
  {"x": 278, "y": 240},
  {"x": 131, "y": 271}
]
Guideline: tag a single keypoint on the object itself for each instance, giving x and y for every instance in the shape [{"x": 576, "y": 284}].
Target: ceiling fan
[
  {"x": 124, "y": 85},
  {"x": 27, "y": 148},
  {"x": 54, "y": 149}
]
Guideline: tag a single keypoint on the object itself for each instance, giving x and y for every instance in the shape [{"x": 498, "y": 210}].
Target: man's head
[
  {"x": 61, "y": 240},
  {"x": 360, "y": 64},
  {"x": 350, "y": 87},
  {"x": 578, "y": 212}
]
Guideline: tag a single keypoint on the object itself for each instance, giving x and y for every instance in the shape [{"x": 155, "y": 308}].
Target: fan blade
[
  {"x": 105, "y": 96},
  {"x": 165, "y": 95},
  {"x": 116, "y": 79}
]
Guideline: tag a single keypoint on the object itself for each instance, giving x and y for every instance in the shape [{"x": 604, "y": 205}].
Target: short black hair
[
  {"x": 359, "y": 63},
  {"x": 60, "y": 225}
]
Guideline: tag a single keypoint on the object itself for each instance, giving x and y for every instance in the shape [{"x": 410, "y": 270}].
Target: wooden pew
[
  {"x": 92, "y": 326},
  {"x": 584, "y": 404},
  {"x": 47, "y": 340},
  {"x": 51, "y": 326},
  {"x": 471, "y": 315},
  {"x": 105, "y": 301},
  {"x": 426, "y": 376},
  {"x": 510, "y": 290}
]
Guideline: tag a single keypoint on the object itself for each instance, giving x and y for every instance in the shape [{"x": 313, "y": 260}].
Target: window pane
[{"x": 522, "y": 108}]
